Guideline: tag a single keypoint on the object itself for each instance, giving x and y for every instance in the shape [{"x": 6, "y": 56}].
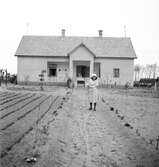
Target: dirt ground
[{"x": 122, "y": 132}]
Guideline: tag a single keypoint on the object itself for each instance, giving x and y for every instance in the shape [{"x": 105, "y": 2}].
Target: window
[
  {"x": 52, "y": 69},
  {"x": 52, "y": 72},
  {"x": 116, "y": 73}
]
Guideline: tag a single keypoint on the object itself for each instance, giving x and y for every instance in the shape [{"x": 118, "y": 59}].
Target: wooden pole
[
  {"x": 0, "y": 76},
  {"x": 125, "y": 31},
  {"x": 157, "y": 144},
  {"x": 6, "y": 77},
  {"x": 155, "y": 87}
]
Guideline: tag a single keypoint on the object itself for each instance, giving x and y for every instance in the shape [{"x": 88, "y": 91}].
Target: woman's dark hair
[{"x": 94, "y": 77}]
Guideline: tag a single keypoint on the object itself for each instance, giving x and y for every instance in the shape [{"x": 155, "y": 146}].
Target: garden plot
[
  {"x": 12, "y": 117},
  {"x": 19, "y": 114},
  {"x": 13, "y": 101},
  {"x": 137, "y": 110},
  {"x": 8, "y": 96},
  {"x": 3, "y": 94},
  {"x": 17, "y": 106},
  {"x": 57, "y": 129}
]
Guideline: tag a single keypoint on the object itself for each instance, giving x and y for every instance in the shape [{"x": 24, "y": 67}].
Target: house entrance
[{"x": 82, "y": 71}]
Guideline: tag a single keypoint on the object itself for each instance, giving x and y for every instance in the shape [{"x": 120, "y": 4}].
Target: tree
[
  {"x": 148, "y": 71},
  {"x": 154, "y": 69},
  {"x": 151, "y": 70}
]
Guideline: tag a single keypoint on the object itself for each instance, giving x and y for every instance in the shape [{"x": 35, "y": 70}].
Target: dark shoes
[{"x": 92, "y": 108}]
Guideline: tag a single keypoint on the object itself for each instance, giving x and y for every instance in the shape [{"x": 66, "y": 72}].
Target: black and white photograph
[{"x": 79, "y": 83}]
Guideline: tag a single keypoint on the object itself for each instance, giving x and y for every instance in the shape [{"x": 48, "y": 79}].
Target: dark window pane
[
  {"x": 52, "y": 72},
  {"x": 52, "y": 69},
  {"x": 116, "y": 72}
]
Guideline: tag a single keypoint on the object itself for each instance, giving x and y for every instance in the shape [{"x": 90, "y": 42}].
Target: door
[{"x": 82, "y": 71}]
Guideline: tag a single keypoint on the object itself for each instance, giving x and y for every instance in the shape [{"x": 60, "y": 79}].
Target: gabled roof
[
  {"x": 61, "y": 46},
  {"x": 81, "y": 44}
]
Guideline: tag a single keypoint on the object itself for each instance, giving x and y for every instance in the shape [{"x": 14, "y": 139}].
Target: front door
[{"x": 82, "y": 71}]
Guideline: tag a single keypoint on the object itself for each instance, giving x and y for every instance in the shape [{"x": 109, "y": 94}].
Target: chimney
[
  {"x": 63, "y": 32},
  {"x": 100, "y": 33}
]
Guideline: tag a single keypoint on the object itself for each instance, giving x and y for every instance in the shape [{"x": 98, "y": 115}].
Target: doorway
[{"x": 82, "y": 71}]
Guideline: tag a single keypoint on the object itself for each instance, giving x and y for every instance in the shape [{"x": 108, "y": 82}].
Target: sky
[{"x": 80, "y": 18}]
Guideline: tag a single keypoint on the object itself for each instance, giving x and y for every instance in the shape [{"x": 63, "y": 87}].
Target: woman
[{"x": 92, "y": 91}]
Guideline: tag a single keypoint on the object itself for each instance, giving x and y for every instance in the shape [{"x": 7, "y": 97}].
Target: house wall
[
  {"x": 29, "y": 69},
  {"x": 126, "y": 67}
]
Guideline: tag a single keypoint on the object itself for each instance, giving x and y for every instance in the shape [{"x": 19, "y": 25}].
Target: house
[{"x": 112, "y": 59}]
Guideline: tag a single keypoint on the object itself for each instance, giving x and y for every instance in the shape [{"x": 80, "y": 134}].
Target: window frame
[
  {"x": 49, "y": 64},
  {"x": 116, "y": 72}
]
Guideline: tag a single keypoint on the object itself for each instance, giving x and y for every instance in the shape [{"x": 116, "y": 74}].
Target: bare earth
[{"x": 56, "y": 127}]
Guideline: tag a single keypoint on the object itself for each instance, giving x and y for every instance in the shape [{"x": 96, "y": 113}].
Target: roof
[
  {"x": 81, "y": 45},
  {"x": 62, "y": 46}
]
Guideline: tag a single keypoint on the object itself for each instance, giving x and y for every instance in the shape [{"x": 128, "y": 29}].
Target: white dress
[{"x": 92, "y": 91}]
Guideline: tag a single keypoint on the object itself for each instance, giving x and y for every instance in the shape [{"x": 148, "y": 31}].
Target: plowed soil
[{"x": 56, "y": 127}]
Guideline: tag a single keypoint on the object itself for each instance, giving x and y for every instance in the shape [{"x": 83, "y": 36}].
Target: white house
[{"x": 112, "y": 59}]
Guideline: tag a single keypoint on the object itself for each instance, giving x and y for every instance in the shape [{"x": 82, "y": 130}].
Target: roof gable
[
  {"x": 60, "y": 46},
  {"x": 80, "y": 45}
]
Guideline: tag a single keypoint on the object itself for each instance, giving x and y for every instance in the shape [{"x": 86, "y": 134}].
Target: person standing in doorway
[{"x": 92, "y": 91}]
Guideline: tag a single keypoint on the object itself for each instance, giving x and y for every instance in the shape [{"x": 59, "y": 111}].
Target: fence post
[{"x": 157, "y": 144}]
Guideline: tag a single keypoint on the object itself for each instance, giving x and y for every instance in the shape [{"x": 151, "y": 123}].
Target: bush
[{"x": 13, "y": 79}]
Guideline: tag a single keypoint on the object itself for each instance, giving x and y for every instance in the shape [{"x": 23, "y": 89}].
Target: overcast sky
[{"x": 80, "y": 18}]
